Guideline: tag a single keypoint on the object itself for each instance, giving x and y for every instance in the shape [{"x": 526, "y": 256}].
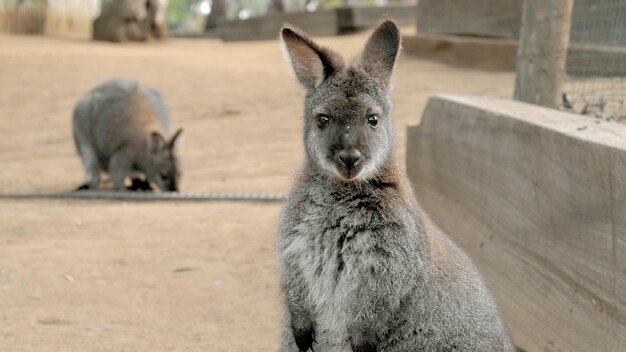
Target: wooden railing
[{"x": 59, "y": 17}]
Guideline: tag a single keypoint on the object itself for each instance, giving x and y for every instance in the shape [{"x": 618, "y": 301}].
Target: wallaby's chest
[
  {"x": 331, "y": 238},
  {"x": 334, "y": 234}
]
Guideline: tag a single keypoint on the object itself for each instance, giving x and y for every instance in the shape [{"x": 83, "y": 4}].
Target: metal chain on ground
[{"x": 148, "y": 196}]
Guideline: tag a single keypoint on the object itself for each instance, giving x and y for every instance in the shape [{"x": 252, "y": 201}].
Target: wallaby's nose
[{"x": 350, "y": 157}]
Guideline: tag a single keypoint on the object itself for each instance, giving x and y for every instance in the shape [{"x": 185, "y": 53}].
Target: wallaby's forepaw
[
  {"x": 304, "y": 339},
  {"x": 140, "y": 185},
  {"x": 83, "y": 187}
]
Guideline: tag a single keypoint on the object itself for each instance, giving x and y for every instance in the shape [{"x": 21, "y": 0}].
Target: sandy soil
[{"x": 114, "y": 276}]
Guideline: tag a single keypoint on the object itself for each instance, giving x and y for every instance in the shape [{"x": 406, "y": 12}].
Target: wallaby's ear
[
  {"x": 172, "y": 141},
  {"x": 311, "y": 63},
  {"x": 381, "y": 50},
  {"x": 156, "y": 142}
]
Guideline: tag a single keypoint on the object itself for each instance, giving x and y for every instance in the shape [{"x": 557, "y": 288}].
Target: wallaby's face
[
  {"x": 164, "y": 166},
  {"x": 348, "y": 130}
]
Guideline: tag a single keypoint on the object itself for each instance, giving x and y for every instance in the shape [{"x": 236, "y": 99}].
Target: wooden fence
[
  {"x": 51, "y": 17},
  {"x": 537, "y": 197},
  {"x": 23, "y": 17}
]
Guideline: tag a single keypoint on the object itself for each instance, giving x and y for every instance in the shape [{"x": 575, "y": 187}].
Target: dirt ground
[{"x": 123, "y": 276}]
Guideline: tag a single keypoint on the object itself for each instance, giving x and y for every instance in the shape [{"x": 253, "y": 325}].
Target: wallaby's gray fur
[
  {"x": 362, "y": 266},
  {"x": 134, "y": 20},
  {"x": 122, "y": 127}
]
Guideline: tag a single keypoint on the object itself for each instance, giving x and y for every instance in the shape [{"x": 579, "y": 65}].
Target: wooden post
[
  {"x": 217, "y": 17},
  {"x": 542, "y": 51},
  {"x": 275, "y": 7}
]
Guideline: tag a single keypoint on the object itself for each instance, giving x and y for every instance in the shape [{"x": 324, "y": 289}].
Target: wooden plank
[
  {"x": 486, "y": 18},
  {"x": 71, "y": 18},
  {"x": 618, "y": 177},
  {"x": 500, "y": 54},
  {"x": 318, "y": 23},
  {"x": 484, "y": 53},
  {"x": 537, "y": 197},
  {"x": 584, "y": 60},
  {"x": 542, "y": 52},
  {"x": 23, "y": 18},
  {"x": 364, "y": 17}
]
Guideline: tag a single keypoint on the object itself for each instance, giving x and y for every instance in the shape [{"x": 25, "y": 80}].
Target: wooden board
[
  {"x": 23, "y": 19},
  {"x": 484, "y": 53},
  {"x": 486, "y": 18},
  {"x": 500, "y": 54},
  {"x": 318, "y": 23},
  {"x": 358, "y": 18},
  {"x": 584, "y": 60},
  {"x": 538, "y": 199}
]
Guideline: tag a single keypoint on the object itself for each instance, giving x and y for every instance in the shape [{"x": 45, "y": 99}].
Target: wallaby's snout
[
  {"x": 345, "y": 144},
  {"x": 350, "y": 159}
]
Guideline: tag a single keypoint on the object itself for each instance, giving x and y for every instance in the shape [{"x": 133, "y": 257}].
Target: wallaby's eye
[
  {"x": 164, "y": 177},
  {"x": 322, "y": 120},
  {"x": 373, "y": 120}
]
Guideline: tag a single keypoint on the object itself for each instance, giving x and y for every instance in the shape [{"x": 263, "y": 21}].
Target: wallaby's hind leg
[
  {"x": 120, "y": 168},
  {"x": 91, "y": 166}
]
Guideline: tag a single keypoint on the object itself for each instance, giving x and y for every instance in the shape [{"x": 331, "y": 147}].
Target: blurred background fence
[
  {"x": 596, "y": 61},
  {"x": 486, "y": 33},
  {"x": 56, "y": 17},
  {"x": 75, "y": 17},
  {"x": 28, "y": 17}
]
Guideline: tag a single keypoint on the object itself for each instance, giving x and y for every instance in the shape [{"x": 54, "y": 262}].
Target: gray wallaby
[
  {"x": 121, "y": 127},
  {"x": 362, "y": 266},
  {"x": 134, "y": 20}
]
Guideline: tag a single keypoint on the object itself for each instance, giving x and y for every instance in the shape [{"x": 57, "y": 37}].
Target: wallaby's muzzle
[{"x": 349, "y": 163}]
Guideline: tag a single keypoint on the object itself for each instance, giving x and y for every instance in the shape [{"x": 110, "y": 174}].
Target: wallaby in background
[
  {"x": 122, "y": 128},
  {"x": 131, "y": 20},
  {"x": 362, "y": 266}
]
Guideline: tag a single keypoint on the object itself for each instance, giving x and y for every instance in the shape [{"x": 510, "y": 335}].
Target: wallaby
[
  {"x": 120, "y": 21},
  {"x": 121, "y": 127},
  {"x": 362, "y": 266},
  {"x": 135, "y": 20}
]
